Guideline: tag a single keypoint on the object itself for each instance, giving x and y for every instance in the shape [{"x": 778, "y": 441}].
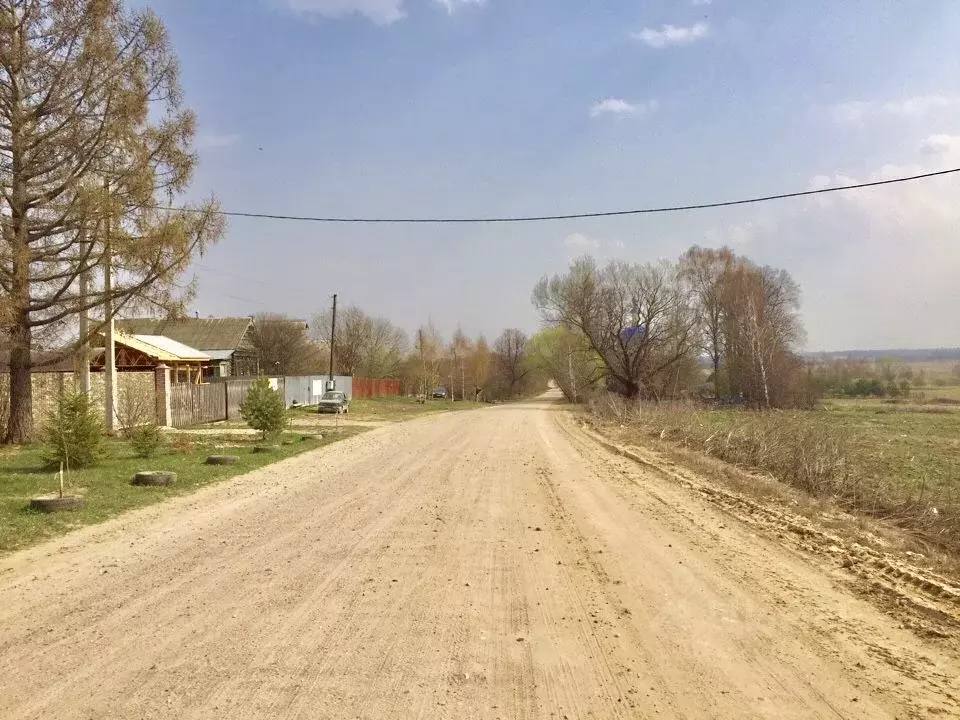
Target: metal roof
[
  {"x": 200, "y": 333},
  {"x": 162, "y": 348},
  {"x": 219, "y": 354}
]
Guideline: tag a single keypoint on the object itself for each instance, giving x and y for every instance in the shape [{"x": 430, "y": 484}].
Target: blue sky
[{"x": 467, "y": 107}]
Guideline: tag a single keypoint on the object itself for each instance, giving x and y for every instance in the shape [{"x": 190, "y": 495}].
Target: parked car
[
  {"x": 333, "y": 401},
  {"x": 439, "y": 393}
]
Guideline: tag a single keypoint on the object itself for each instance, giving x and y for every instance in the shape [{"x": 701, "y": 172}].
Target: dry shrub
[
  {"x": 797, "y": 448},
  {"x": 4, "y": 409},
  {"x": 181, "y": 445},
  {"x": 134, "y": 408}
]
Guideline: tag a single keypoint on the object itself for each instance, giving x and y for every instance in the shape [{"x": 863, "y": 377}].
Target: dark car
[
  {"x": 439, "y": 393},
  {"x": 333, "y": 401}
]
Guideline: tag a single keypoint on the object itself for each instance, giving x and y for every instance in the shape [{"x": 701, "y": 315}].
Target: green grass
[
  {"x": 107, "y": 487},
  {"x": 916, "y": 447},
  {"x": 932, "y": 392},
  {"x": 395, "y": 409},
  {"x": 898, "y": 461}
]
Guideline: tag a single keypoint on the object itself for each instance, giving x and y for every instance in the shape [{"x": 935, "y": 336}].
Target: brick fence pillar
[{"x": 161, "y": 376}]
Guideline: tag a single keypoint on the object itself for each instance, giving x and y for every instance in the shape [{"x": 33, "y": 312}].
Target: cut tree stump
[
  {"x": 154, "y": 477},
  {"x": 54, "y": 503},
  {"x": 223, "y": 460}
]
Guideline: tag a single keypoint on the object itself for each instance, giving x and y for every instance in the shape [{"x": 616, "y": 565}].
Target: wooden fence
[
  {"x": 194, "y": 404},
  {"x": 220, "y": 400},
  {"x": 236, "y": 390},
  {"x": 374, "y": 388}
]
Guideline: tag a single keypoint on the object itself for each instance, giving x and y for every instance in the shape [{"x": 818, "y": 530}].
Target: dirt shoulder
[
  {"x": 499, "y": 564},
  {"x": 922, "y": 589}
]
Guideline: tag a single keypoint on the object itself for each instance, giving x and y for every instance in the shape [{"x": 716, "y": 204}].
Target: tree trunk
[
  {"x": 20, "y": 425},
  {"x": 573, "y": 379}
]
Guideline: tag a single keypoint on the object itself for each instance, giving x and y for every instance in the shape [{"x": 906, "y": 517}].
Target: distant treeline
[{"x": 903, "y": 355}]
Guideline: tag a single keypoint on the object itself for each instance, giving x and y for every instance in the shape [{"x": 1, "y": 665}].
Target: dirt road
[{"x": 490, "y": 564}]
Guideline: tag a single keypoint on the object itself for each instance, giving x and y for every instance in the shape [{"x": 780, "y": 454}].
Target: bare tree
[
  {"x": 510, "y": 355},
  {"x": 705, "y": 270},
  {"x": 638, "y": 318},
  {"x": 480, "y": 366},
  {"x": 94, "y": 137},
  {"x": 566, "y": 357},
  {"x": 460, "y": 349},
  {"x": 761, "y": 327},
  {"x": 365, "y": 346},
  {"x": 429, "y": 354},
  {"x": 384, "y": 353},
  {"x": 283, "y": 346}
]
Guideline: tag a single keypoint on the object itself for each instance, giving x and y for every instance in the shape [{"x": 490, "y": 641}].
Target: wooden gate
[
  {"x": 195, "y": 404},
  {"x": 236, "y": 392}
]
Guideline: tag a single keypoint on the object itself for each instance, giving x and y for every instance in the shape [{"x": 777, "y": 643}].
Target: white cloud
[
  {"x": 670, "y": 35},
  {"x": 742, "y": 233},
  {"x": 452, "y": 5},
  {"x": 582, "y": 243},
  {"x": 617, "y": 106},
  {"x": 850, "y": 113},
  {"x": 856, "y": 112},
  {"x": 212, "y": 140},
  {"x": 381, "y": 12},
  {"x": 917, "y": 106},
  {"x": 877, "y": 266},
  {"x": 700, "y": 3},
  {"x": 941, "y": 145}
]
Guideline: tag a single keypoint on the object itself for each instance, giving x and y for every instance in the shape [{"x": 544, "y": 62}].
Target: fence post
[
  {"x": 226, "y": 401},
  {"x": 161, "y": 380}
]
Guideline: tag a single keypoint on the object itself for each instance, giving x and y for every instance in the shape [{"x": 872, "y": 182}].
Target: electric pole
[
  {"x": 110, "y": 347},
  {"x": 333, "y": 338},
  {"x": 84, "y": 349}
]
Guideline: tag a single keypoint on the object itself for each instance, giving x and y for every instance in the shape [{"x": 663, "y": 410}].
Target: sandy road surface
[{"x": 492, "y": 564}]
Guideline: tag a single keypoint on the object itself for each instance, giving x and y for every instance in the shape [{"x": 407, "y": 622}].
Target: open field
[
  {"x": 916, "y": 448},
  {"x": 497, "y": 564},
  {"x": 900, "y": 462},
  {"x": 397, "y": 409},
  {"x": 107, "y": 487},
  {"x": 369, "y": 412},
  {"x": 932, "y": 392}
]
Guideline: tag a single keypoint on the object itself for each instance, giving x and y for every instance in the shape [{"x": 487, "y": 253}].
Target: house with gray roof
[{"x": 228, "y": 342}]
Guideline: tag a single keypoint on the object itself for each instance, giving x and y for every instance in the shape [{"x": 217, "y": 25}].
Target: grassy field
[
  {"x": 931, "y": 393},
  {"x": 917, "y": 448},
  {"x": 386, "y": 410},
  {"x": 107, "y": 488},
  {"x": 396, "y": 409},
  {"x": 898, "y": 461}
]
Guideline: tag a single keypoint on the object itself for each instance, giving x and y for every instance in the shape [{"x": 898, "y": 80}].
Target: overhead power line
[{"x": 585, "y": 215}]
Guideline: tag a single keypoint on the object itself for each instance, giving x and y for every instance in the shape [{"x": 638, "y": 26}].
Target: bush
[
  {"x": 74, "y": 432},
  {"x": 146, "y": 440},
  {"x": 182, "y": 445},
  {"x": 264, "y": 409},
  {"x": 804, "y": 449}
]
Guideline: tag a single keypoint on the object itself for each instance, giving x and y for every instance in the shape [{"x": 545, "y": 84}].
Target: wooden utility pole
[
  {"x": 573, "y": 379},
  {"x": 333, "y": 338},
  {"x": 83, "y": 351},
  {"x": 423, "y": 369},
  {"x": 110, "y": 347}
]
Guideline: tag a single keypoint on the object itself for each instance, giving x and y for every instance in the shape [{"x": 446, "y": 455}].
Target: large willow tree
[{"x": 94, "y": 139}]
